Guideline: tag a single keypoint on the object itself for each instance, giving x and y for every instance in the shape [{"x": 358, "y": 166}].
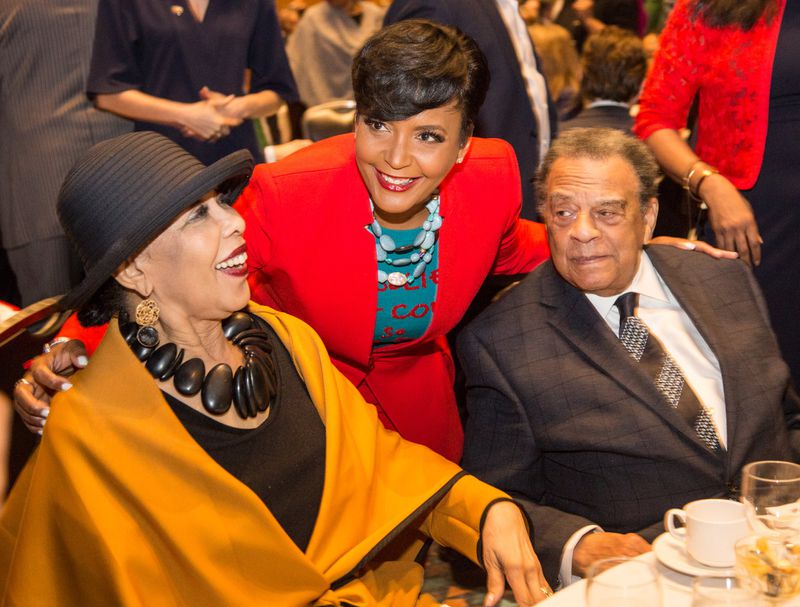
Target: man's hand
[
  {"x": 508, "y": 553},
  {"x": 48, "y": 374},
  {"x": 731, "y": 218},
  {"x": 596, "y": 546}
]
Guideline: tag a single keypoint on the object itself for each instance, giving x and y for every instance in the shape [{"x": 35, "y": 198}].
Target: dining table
[{"x": 676, "y": 588}]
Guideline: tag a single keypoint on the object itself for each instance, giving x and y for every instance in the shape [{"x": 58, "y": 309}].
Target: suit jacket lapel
[{"x": 574, "y": 317}]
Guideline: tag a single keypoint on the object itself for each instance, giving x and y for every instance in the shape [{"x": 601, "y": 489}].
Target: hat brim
[{"x": 229, "y": 174}]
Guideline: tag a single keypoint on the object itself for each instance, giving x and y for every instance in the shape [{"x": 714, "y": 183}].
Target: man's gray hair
[{"x": 602, "y": 144}]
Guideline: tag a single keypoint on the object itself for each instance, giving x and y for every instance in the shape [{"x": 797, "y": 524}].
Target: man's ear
[
  {"x": 132, "y": 275},
  {"x": 650, "y": 217}
]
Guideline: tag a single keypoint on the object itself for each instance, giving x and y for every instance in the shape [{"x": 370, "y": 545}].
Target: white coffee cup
[{"x": 711, "y": 528}]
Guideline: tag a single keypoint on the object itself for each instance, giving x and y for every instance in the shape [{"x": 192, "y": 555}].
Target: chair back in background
[{"x": 328, "y": 119}]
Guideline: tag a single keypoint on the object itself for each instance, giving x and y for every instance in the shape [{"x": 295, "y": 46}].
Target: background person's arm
[
  {"x": 676, "y": 78},
  {"x": 254, "y": 105},
  {"x": 730, "y": 214},
  {"x": 203, "y": 119}
]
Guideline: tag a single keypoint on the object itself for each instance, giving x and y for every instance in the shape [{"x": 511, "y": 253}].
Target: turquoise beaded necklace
[{"x": 422, "y": 246}]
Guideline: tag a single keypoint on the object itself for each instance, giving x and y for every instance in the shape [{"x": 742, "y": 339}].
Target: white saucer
[{"x": 671, "y": 553}]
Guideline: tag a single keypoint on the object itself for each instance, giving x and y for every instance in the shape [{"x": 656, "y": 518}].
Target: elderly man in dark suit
[
  {"x": 517, "y": 106},
  {"x": 617, "y": 381}
]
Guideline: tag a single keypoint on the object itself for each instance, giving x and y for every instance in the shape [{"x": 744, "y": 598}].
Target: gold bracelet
[
  {"x": 706, "y": 173},
  {"x": 689, "y": 174}
]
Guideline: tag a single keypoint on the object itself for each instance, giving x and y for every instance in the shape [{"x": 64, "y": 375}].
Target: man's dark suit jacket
[
  {"x": 562, "y": 418},
  {"x": 507, "y": 112},
  {"x": 604, "y": 116}
]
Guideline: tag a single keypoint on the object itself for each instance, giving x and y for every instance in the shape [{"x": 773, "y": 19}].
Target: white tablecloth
[{"x": 676, "y": 589}]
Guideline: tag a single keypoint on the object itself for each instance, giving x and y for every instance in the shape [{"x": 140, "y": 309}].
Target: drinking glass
[
  {"x": 770, "y": 494},
  {"x": 771, "y": 564},
  {"x": 622, "y": 582},
  {"x": 724, "y": 591}
]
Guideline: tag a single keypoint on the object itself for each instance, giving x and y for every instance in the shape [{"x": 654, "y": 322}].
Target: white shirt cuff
[{"x": 565, "y": 572}]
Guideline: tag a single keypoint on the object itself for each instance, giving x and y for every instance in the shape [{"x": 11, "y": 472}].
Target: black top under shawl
[{"x": 282, "y": 460}]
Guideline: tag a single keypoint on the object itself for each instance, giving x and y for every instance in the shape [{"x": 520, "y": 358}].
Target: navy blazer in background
[{"x": 507, "y": 111}]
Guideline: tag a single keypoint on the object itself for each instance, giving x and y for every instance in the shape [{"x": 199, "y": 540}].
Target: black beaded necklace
[{"x": 250, "y": 389}]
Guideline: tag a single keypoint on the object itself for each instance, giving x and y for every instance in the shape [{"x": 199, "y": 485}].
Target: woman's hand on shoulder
[
  {"x": 508, "y": 554},
  {"x": 694, "y": 245},
  {"x": 731, "y": 218},
  {"x": 47, "y": 375}
]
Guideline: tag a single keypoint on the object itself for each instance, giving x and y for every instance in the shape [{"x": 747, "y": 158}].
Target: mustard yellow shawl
[{"x": 120, "y": 506}]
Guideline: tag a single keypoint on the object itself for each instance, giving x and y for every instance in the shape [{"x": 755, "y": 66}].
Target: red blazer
[
  {"x": 310, "y": 255},
  {"x": 731, "y": 70}
]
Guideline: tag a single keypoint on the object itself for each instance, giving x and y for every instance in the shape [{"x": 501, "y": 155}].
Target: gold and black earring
[{"x": 146, "y": 316}]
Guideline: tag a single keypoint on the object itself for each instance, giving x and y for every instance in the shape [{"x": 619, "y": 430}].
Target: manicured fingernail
[
  {"x": 66, "y": 385},
  {"x": 82, "y": 361},
  {"x": 689, "y": 246},
  {"x": 45, "y": 411},
  {"x": 39, "y": 432},
  {"x": 488, "y": 600}
]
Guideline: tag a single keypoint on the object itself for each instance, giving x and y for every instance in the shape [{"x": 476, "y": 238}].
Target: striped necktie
[{"x": 658, "y": 364}]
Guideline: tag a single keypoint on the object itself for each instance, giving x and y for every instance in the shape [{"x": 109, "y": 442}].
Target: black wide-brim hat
[{"x": 125, "y": 191}]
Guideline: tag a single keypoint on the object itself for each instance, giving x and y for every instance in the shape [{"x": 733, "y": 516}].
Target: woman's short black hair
[{"x": 418, "y": 65}]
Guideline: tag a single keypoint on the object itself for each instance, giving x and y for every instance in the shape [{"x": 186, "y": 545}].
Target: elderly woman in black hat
[{"x": 211, "y": 454}]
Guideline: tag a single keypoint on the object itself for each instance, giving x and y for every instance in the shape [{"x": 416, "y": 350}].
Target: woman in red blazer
[
  {"x": 741, "y": 58},
  {"x": 410, "y": 381},
  {"x": 411, "y": 146}
]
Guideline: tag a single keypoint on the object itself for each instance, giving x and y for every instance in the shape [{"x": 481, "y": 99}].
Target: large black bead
[
  {"x": 147, "y": 336},
  {"x": 173, "y": 368},
  {"x": 162, "y": 359},
  {"x": 260, "y": 385},
  {"x": 140, "y": 351},
  {"x": 269, "y": 382},
  {"x": 239, "y": 397},
  {"x": 218, "y": 389},
  {"x": 128, "y": 331},
  {"x": 251, "y": 390},
  {"x": 253, "y": 337},
  {"x": 235, "y": 324},
  {"x": 189, "y": 377}
]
